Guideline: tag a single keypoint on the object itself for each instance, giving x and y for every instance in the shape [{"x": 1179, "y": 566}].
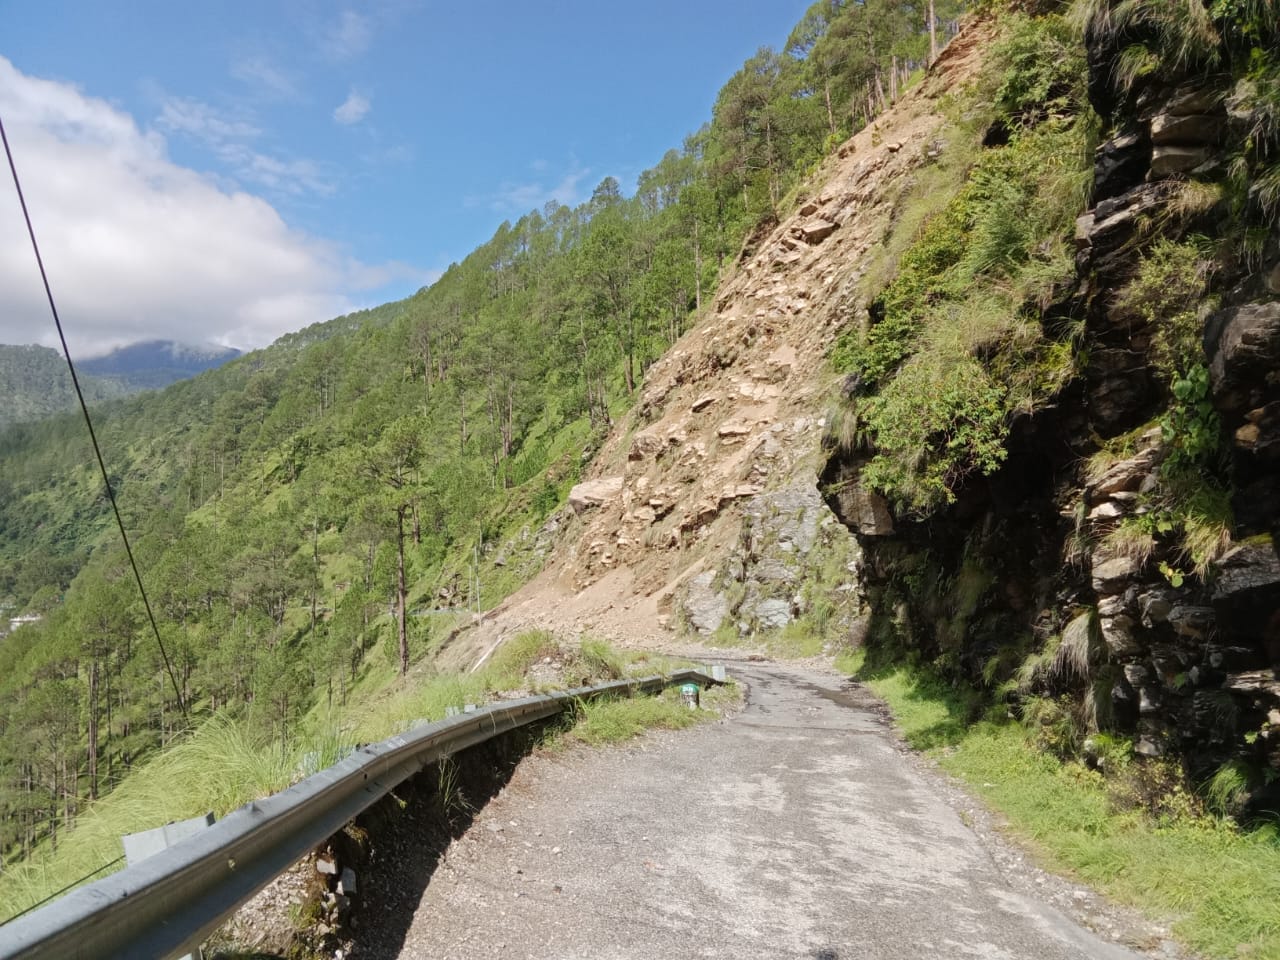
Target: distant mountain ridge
[
  {"x": 34, "y": 382},
  {"x": 157, "y": 363}
]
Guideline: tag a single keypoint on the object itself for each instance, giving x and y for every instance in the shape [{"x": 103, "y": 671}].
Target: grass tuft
[{"x": 609, "y": 720}]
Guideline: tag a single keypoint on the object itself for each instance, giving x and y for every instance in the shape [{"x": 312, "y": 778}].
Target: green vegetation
[
  {"x": 35, "y": 384},
  {"x": 1170, "y": 292},
  {"x": 954, "y": 349},
  {"x": 1130, "y": 830},
  {"x": 612, "y": 721}
]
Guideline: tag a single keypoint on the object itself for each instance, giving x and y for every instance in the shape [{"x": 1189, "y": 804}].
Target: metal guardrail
[{"x": 168, "y": 904}]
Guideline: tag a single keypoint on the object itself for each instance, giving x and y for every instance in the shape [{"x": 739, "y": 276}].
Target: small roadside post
[{"x": 140, "y": 846}]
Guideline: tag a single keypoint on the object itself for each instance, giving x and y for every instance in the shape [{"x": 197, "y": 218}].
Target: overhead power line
[{"x": 84, "y": 408}]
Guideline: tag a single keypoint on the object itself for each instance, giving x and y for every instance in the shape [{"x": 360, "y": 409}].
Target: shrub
[
  {"x": 1169, "y": 292},
  {"x": 936, "y": 423}
]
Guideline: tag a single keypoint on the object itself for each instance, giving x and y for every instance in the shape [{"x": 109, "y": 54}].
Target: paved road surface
[{"x": 795, "y": 829}]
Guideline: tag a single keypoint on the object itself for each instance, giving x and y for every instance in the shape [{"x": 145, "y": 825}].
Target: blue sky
[{"x": 229, "y": 172}]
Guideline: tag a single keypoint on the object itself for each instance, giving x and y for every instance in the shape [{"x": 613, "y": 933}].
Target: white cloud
[
  {"x": 520, "y": 198},
  {"x": 140, "y": 247},
  {"x": 353, "y": 109},
  {"x": 348, "y": 38},
  {"x": 264, "y": 78},
  {"x": 180, "y": 114},
  {"x": 230, "y": 137}
]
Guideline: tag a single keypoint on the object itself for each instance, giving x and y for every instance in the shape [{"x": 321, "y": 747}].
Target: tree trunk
[
  {"x": 462, "y": 422},
  {"x": 629, "y": 371},
  {"x": 933, "y": 34},
  {"x": 401, "y": 593},
  {"x": 697, "y": 267},
  {"x": 93, "y": 727},
  {"x": 106, "y": 700}
]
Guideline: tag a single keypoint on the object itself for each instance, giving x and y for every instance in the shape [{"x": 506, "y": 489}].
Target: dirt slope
[{"x": 735, "y": 408}]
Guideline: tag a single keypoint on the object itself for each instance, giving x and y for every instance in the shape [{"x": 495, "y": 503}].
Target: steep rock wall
[{"x": 1066, "y": 553}]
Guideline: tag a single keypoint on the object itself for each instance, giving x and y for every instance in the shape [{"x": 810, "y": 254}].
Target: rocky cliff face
[{"x": 1129, "y": 537}]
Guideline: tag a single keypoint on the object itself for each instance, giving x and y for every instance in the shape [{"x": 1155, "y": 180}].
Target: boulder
[
  {"x": 1148, "y": 747},
  {"x": 774, "y": 570},
  {"x": 1194, "y": 98},
  {"x": 817, "y": 230},
  {"x": 1246, "y": 570},
  {"x": 1114, "y": 605},
  {"x": 1106, "y": 233},
  {"x": 773, "y": 614},
  {"x": 1120, "y": 164},
  {"x": 1170, "y": 159},
  {"x": 705, "y": 607},
  {"x": 733, "y": 428},
  {"x": 1135, "y": 674},
  {"x": 1086, "y": 223},
  {"x": 1126, "y": 475},
  {"x": 1113, "y": 576},
  {"x": 646, "y": 445},
  {"x": 736, "y": 491},
  {"x": 1243, "y": 345},
  {"x": 594, "y": 493},
  {"x": 1192, "y": 622},
  {"x": 779, "y": 363},
  {"x": 1246, "y": 596},
  {"x": 1117, "y": 634},
  {"x": 1231, "y": 659},
  {"x": 865, "y": 510},
  {"x": 1155, "y": 606},
  {"x": 1186, "y": 129},
  {"x": 1107, "y": 510},
  {"x": 1148, "y": 701},
  {"x": 1254, "y": 681}
]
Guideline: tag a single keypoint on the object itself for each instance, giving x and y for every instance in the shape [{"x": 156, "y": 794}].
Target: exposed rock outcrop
[{"x": 1185, "y": 658}]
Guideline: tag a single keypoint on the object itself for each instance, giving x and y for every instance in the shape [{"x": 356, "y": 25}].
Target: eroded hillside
[{"x": 716, "y": 468}]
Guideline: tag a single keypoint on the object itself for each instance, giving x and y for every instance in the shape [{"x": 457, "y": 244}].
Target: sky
[{"x": 225, "y": 173}]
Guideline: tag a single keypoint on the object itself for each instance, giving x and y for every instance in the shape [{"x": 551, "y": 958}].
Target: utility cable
[{"x": 93, "y": 437}]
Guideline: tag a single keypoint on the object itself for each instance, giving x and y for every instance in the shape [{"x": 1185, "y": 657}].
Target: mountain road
[{"x": 799, "y": 827}]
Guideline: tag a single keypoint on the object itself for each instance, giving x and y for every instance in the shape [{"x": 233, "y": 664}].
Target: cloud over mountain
[{"x": 140, "y": 247}]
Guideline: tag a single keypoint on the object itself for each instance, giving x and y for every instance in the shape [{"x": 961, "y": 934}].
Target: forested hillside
[
  {"x": 35, "y": 384},
  {"x": 307, "y": 517}
]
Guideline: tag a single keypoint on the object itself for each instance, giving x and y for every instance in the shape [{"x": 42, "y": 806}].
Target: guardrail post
[{"x": 147, "y": 843}]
